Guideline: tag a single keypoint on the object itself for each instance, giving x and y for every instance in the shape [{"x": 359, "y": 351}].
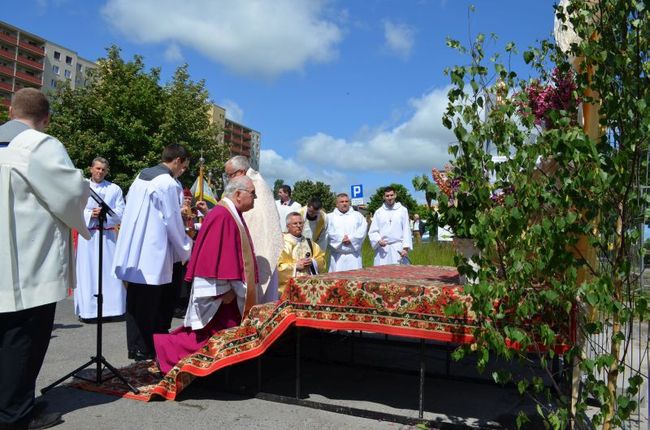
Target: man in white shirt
[
  {"x": 42, "y": 196},
  {"x": 152, "y": 238},
  {"x": 346, "y": 231},
  {"x": 285, "y": 205},
  {"x": 114, "y": 293},
  {"x": 390, "y": 231}
]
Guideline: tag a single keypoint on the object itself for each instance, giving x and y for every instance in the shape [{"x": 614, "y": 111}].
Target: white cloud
[
  {"x": 399, "y": 39},
  {"x": 252, "y": 37},
  {"x": 413, "y": 146},
  {"x": 173, "y": 53},
  {"x": 273, "y": 166},
  {"x": 233, "y": 111}
]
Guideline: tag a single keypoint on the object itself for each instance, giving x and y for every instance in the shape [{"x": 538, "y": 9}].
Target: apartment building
[
  {"x": 63, "y": 64},
  {"x": 28, "y": 60},
  {"x": 22, "y": 61},
  {"x": 241, "y": 139}
]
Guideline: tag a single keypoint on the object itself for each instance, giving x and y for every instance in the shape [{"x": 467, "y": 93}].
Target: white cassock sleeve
[
  {"x": 336, "y": 233},
  {"x": 60, "y": 186},
  {"x": 373, "y": 234},
  {"x": 359, "y": 233},
  {"x": 203, "y": 305},
  {"x": 117, "y": 199},
  {"x": 180, "y": 242}
]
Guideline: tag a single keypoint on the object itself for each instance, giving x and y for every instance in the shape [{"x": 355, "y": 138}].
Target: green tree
[
  {"x": 403, "y": 196},
  {"x": 4, "y": 114},
  {"x": 276, "y": 186},
  {"x": 126, "y": 116},
  {"x": 303, "y": 191},
  {"x": 562, "y": 194},
  {"x": 186, "y": 121}
]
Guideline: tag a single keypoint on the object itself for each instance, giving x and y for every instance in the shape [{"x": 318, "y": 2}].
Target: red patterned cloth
[{"x": 398, "y": 300}]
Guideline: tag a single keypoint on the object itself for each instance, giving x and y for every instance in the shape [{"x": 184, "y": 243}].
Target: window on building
[
  {"x": 68, "y": 59},
  {"x": 53, "y": 83},
  {"x": 79, "y": 68},
  {"x": 57, "y": 55},
  {"x": 68, "y": 74},
  {"x": 55, "y": 69}
]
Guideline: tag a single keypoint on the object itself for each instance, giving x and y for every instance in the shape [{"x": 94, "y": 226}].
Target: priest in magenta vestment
[{"x": 223, "y": 273}]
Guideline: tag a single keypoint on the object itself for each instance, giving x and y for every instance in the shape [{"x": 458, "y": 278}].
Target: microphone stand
[{"x": 98, "y": 359}]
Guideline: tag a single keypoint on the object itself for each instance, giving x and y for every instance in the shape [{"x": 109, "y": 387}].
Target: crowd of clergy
[{"x": 241, "y": 252}]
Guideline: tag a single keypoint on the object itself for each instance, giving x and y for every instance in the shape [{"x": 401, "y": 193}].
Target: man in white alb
[
  {"x": 285, "y": 205},
  {"x": 390, "y": 231},
  {"x": 85, "y": 301},
  {"x": 152, "y": 238},
  {"x": 346, "y": 231}
]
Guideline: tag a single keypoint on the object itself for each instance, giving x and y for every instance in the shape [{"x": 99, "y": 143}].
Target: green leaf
[{"x": 529, "y": 56}]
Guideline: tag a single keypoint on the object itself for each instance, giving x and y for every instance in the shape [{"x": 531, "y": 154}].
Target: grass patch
[{"x": 423, "y": 254}]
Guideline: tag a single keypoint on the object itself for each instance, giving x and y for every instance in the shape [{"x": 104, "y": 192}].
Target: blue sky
[{"x": 347, "y": 92}]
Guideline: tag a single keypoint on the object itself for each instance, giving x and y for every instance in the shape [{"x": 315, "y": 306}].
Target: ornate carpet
[{"x": 397, "y": 300}]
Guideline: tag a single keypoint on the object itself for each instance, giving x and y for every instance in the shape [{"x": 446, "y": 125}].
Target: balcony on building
[
  {"x": 32, "y": 46},
  {"x": 6, "y": 70},
  {"x": 32, "y": 79},
  {"x": 9, "y": 55},
  {"x": 6, "y": 102},
  {"x": 9, "y": 38},
  {"x": 6, "y": 86},
  {"x": 30, "y": 63}
]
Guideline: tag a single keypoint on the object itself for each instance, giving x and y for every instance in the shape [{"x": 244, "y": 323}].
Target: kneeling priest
[{"x": 223, "y": 273}]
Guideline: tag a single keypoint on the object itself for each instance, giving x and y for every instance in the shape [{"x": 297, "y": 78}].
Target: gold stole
[{"x": 249, "y": 263}]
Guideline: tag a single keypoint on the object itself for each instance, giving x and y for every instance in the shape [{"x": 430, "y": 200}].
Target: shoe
[
  {"x": 88, "y": 320},
  {"x": 140, "y": 356},
  {"x": 35, "y": 422}
]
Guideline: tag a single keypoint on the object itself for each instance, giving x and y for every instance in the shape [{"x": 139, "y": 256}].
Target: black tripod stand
[{"x": 98, "y": 359}]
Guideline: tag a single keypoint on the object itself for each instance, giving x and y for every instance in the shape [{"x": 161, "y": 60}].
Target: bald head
[{"x": 30, "y": 105}]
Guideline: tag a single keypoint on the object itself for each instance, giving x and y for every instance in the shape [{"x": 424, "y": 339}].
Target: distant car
[{"x": 426, "y": 236}]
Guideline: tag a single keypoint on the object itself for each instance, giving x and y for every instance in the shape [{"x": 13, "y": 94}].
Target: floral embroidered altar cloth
[{"x": 396, "y": 300}]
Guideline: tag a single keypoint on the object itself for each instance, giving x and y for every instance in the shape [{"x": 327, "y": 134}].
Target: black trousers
[
  {"x": 24, "y": 338},
  {"x": 149, "y": 310}
]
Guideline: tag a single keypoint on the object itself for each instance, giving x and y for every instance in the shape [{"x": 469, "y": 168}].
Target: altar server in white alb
[
  {"x": 85, "y": 302},
  {"x": 346, "y": 231},
  {"x": 152, "y": 238},
  {"x": 285, "y": 205},
  {"x": 42, "y": 196},
  {"x": 390, "y": 231}
]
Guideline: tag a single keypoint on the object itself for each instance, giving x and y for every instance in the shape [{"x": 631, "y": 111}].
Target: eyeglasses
[
  {"x": 252, "y": 193},
  {"x": 233, "y": 174}
]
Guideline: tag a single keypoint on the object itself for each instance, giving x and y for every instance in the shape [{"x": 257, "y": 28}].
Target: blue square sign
[{"x": 356, "y": 191}]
